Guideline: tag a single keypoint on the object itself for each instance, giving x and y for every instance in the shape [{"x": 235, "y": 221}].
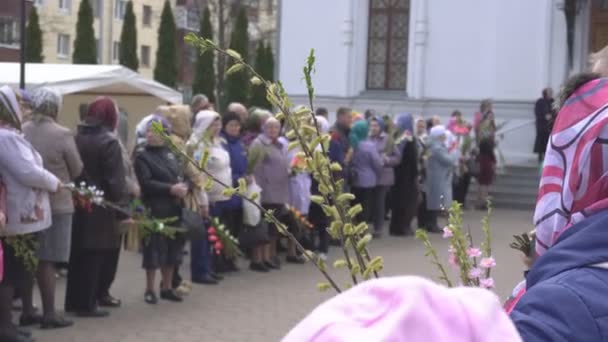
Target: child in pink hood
[{"x": 407, "y": 309}]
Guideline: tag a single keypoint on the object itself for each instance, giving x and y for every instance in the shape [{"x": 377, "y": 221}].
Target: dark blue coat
[
  {"x": 238, "y": 164},
  {"x": 567, "y": 293}
]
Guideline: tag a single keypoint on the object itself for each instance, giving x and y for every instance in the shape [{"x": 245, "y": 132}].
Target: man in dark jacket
[{"x": 545, "y": 114}]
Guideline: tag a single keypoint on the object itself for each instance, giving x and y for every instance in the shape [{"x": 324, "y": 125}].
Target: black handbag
[
  {"x": 194, "y": 223},
  {"x": 251, "y": 236}
]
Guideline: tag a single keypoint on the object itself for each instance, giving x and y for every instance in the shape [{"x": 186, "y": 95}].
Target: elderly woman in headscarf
[
  {"x": 565, "y": 287},
  {"x": 95, "y": 233},
  {"x": 440, "y": 169},
  {"x": 365, "y": 168},
  {"x": 391, "y": 156},
  {"x": 25, "y": 185},
  {"x": 56, "y": 145},
  {"x": 160, "y": 176},
  {"x": 180, "y": 118},
  {"x": 409, "y": 309},
  {"x": 405, "y": 190},
  {"x": 315, "y": 214},
  {"x": 268, "y": 155},
  {"x": 253, "y": 126},
  {"x": 205, "y": 138}
]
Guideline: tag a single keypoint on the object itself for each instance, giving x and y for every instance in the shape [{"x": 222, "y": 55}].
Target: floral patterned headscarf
[{"x": 574, "y": 183}]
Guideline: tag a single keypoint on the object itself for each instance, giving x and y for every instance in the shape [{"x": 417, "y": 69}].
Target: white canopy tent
[{"x": 80, "y": 84}]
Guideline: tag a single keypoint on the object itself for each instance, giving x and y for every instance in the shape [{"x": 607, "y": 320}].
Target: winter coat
[
  {"x": 103, "y": 168},
  {"x": 366, "y": 165},
  {"x": 566, "y": 287},
  {"x": 56, "y": 145},
  {"x": 272, "y": 171},
  {"x": 390, "y": 158},
  {"x": 440, "y": 167},
  {"x": 27, "y": 185},
  {"x": 158, "y": 169},
  {"x": 238, "y": 165}
]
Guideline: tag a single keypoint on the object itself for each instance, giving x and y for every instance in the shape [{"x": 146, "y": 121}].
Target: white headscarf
[
  {"x": 8, "y": 99},
  {"x": 323, "y": 124},
  {"x": 204, "y": 119},
  {"x": 46, "y": 101},
  {"x": 437, "y": 132}
]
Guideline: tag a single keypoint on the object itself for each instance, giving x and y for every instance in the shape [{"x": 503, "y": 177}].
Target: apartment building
[
  {"x": 10, "y": 13},
  {"x": 58, "y": 21}
]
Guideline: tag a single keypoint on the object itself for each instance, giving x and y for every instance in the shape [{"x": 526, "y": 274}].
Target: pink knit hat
[{"x": 407, "y": 309}]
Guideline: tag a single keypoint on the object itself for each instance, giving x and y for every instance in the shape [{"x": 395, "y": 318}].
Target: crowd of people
[{"x": 399, "y": 168}]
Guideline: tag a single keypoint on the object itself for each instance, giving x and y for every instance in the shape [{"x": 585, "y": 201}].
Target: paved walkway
[{"x": 253, "y": 307}]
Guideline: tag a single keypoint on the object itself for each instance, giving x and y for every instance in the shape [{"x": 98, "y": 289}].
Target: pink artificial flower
[
  {"x": 447, "y": 232},
  {"x": 452, "y": 260},
  {"x": 487, "y": 262},
  {"x": 487, "y": 283},
  {"x": 473, "y": 252},
  {"x": 475, "y": 273}
]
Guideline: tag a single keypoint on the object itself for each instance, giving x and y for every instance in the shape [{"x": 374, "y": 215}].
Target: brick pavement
[{"x": 262, "y": 307}]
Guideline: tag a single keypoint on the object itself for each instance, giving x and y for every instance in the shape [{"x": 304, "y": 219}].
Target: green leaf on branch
[
  {"x": 345, "y": 197},
  {"x": 335, "y": 167},
  {"x": 256, "y": 81},
  {"x": 317, "y": 199},
  {"x": 242, "y": 189},
  {"x": 340, "y": 263},
  {"x": 355, "y": 270},
  {"x": 209, "y": 184},
  {"x": 354, "y": 211},
  {"x": 228, "y": 192},
  {"x": 362, "y": 243},
  {"x": 234, "y": 69},
  {"x": 323, "y": 287},
  {"x": 234, "y": 54}
]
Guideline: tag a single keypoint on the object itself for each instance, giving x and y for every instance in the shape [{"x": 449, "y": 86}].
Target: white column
[{"x": 418, "y": 40}]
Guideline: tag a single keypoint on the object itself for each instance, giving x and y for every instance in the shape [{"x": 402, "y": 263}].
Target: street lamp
[{"x": 22, "y": 44}]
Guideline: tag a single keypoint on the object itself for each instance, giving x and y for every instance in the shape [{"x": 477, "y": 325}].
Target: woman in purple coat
[
  {"x": 385, "y": 145},
  {"x": 365, "y": 168}
]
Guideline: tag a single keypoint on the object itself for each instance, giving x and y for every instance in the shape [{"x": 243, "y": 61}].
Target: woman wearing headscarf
[
  {"x": 566, "y": 286},
  {"x": 405, "y": 191},
  {"x": 391, "y": 156},
  {"x": 316, "y": 215},
  {"x": 253, "y": 126},
  {"x": 28, "y": 210},
  {"x": 422, "y": 144},
  {"x": 180, "y": 118},
  {"x": 440, "y": 169},
  {"x": 95, "y": 233},
  {"x": 160, "y": 174},
  {"x": 206, "y": 139},
  {"x": 232, "y": 213},
  {"x": 365, "y": 168},
  {"x": 271, "y": 171},
  {"x": 55, "y": 144},
  {"x": 409, "y": 309},
  {"x": 485, "y": 135}
]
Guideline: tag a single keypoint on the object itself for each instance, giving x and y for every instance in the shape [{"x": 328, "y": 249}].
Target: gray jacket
[
  {"x": 440, "y": 168},
  {"x": 56, "y": 145},
  {"x": 366, "y": 165},
  {"x": 390, "y": 159},
  {"x": 272, "y": 172}
]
